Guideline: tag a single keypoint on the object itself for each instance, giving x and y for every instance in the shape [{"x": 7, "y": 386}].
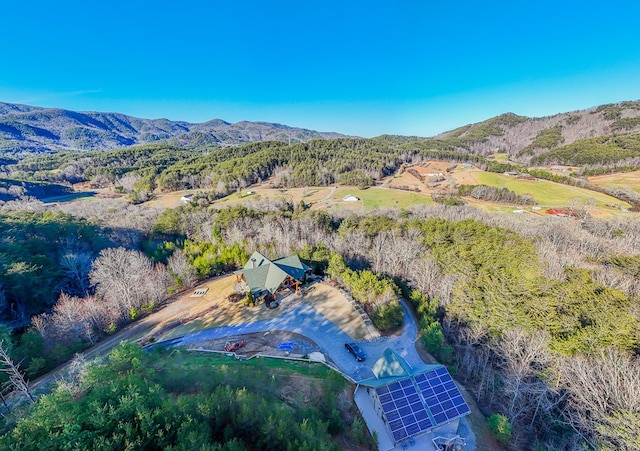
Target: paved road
[{"x": 305, "y": 320}]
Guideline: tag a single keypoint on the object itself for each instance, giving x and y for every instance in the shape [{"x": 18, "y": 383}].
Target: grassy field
[
  {"x": 501, "y": 157},
  {"x": 332, "y": 197},
  {"x": 549, "y": 194},
  {"x": 377, "y": 197},
  {"x": 620, "y": 180}
]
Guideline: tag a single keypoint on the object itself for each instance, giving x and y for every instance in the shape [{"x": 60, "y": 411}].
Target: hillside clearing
[
  {"x": 618, "y": 180},
  {"x": 550, "y": 194}
]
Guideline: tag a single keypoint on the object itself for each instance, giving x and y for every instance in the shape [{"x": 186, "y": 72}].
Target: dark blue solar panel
[
  {"x": 421, "y": 415},
  {"x": 405, "y": 412},
  {"x": 440, "y": 418},
  {"x": 393, "y": 415},
  {"x": 442, "y": 371},
  {"x": 451, "y": 413},
  {"x": 417, "y": 407},
  {"x": 382, "y": 390},
  {"x": 442, "y": 396},
  {"x": 410, "y": 390},
  {"x": 388, "y": 407},
  {"x": 409, "y": 419},
  {"x": 433, "y": 376},
  {"x": 394, "y": 386},
  {"x": 413, "y": 429},
  {"x": 449, "y": 385},
  {"x": 400, "y": 434}
]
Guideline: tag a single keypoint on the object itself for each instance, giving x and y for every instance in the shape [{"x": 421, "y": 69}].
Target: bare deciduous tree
[
  {"x": 180, "y": 267},
  {"x": 16, "y": 379},
  {"x": 77, "y": 266},
  {"x": 603, "y": 388},
  {"x": 127, "y": 279}
]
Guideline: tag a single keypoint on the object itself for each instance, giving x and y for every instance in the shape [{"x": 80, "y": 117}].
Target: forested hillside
[{"x": 27, "y": 129}]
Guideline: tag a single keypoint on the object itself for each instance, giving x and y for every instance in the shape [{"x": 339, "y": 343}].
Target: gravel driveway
[{"x": 305, "y": 320}]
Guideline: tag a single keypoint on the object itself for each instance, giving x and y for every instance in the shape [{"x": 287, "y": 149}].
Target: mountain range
[{"x": 28, "y": 129}]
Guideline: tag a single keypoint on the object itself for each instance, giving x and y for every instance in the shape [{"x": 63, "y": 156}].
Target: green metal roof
[
  {"x": 264, "y": 274},
  {"x": 292, "y": 266}
]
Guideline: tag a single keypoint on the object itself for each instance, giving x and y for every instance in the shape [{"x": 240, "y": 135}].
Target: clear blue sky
[{"x": 362, "y": 68}]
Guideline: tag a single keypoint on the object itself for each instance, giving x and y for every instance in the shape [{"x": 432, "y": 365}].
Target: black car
[{"x": 356, "y": 350}]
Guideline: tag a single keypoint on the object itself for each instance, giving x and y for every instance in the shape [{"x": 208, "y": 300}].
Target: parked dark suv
[{"x": 356, "y": 350}]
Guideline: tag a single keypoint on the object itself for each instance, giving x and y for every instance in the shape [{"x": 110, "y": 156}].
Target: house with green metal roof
[{"x": 262, "y": 275}]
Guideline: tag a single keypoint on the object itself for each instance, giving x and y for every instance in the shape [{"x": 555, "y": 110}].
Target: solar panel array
[
  {"x": 441, "y": 395},
  {"x": 405, "y": 410}
]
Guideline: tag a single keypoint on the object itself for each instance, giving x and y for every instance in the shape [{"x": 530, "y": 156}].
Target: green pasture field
[
  {"x": 371, "y": 198},
  {"x": 548, "y": 193},
  {"x": 375, "y": 197},
  {"x": 619, "y": 180}
]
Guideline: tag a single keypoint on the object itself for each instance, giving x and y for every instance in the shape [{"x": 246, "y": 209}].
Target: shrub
[
  {"x": 500, "y": 427},
  {"x": 388, "y": 316}
]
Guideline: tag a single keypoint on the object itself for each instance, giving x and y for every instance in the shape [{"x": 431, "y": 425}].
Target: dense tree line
[
  {"x": 494, "y": 194},
  {"x": 601, "y": 150},
  {"x": 138, "y": 400},
  {"x": 41, "y": 254}
]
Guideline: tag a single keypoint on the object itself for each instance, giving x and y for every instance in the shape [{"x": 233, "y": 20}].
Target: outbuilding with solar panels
[{"x": 412, "y": 402}]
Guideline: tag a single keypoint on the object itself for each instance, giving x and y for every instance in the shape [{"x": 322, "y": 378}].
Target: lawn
[
  {"x": 546, "y": 193},
  {"x": 198, "y": 359}
]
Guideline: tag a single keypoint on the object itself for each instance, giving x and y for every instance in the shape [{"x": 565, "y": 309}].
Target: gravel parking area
[{"x": 308, "y": 322}]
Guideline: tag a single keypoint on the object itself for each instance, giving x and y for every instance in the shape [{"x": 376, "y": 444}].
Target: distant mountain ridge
[
  {"x": 28, "y": 129},
  {"x": 576, "y": 137}
]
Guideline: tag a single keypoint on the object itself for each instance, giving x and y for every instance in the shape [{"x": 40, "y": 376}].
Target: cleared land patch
[{"x": 619, "y": 180}]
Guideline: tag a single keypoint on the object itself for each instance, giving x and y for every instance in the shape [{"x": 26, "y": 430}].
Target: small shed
[{"x": 186, "y": 198}]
